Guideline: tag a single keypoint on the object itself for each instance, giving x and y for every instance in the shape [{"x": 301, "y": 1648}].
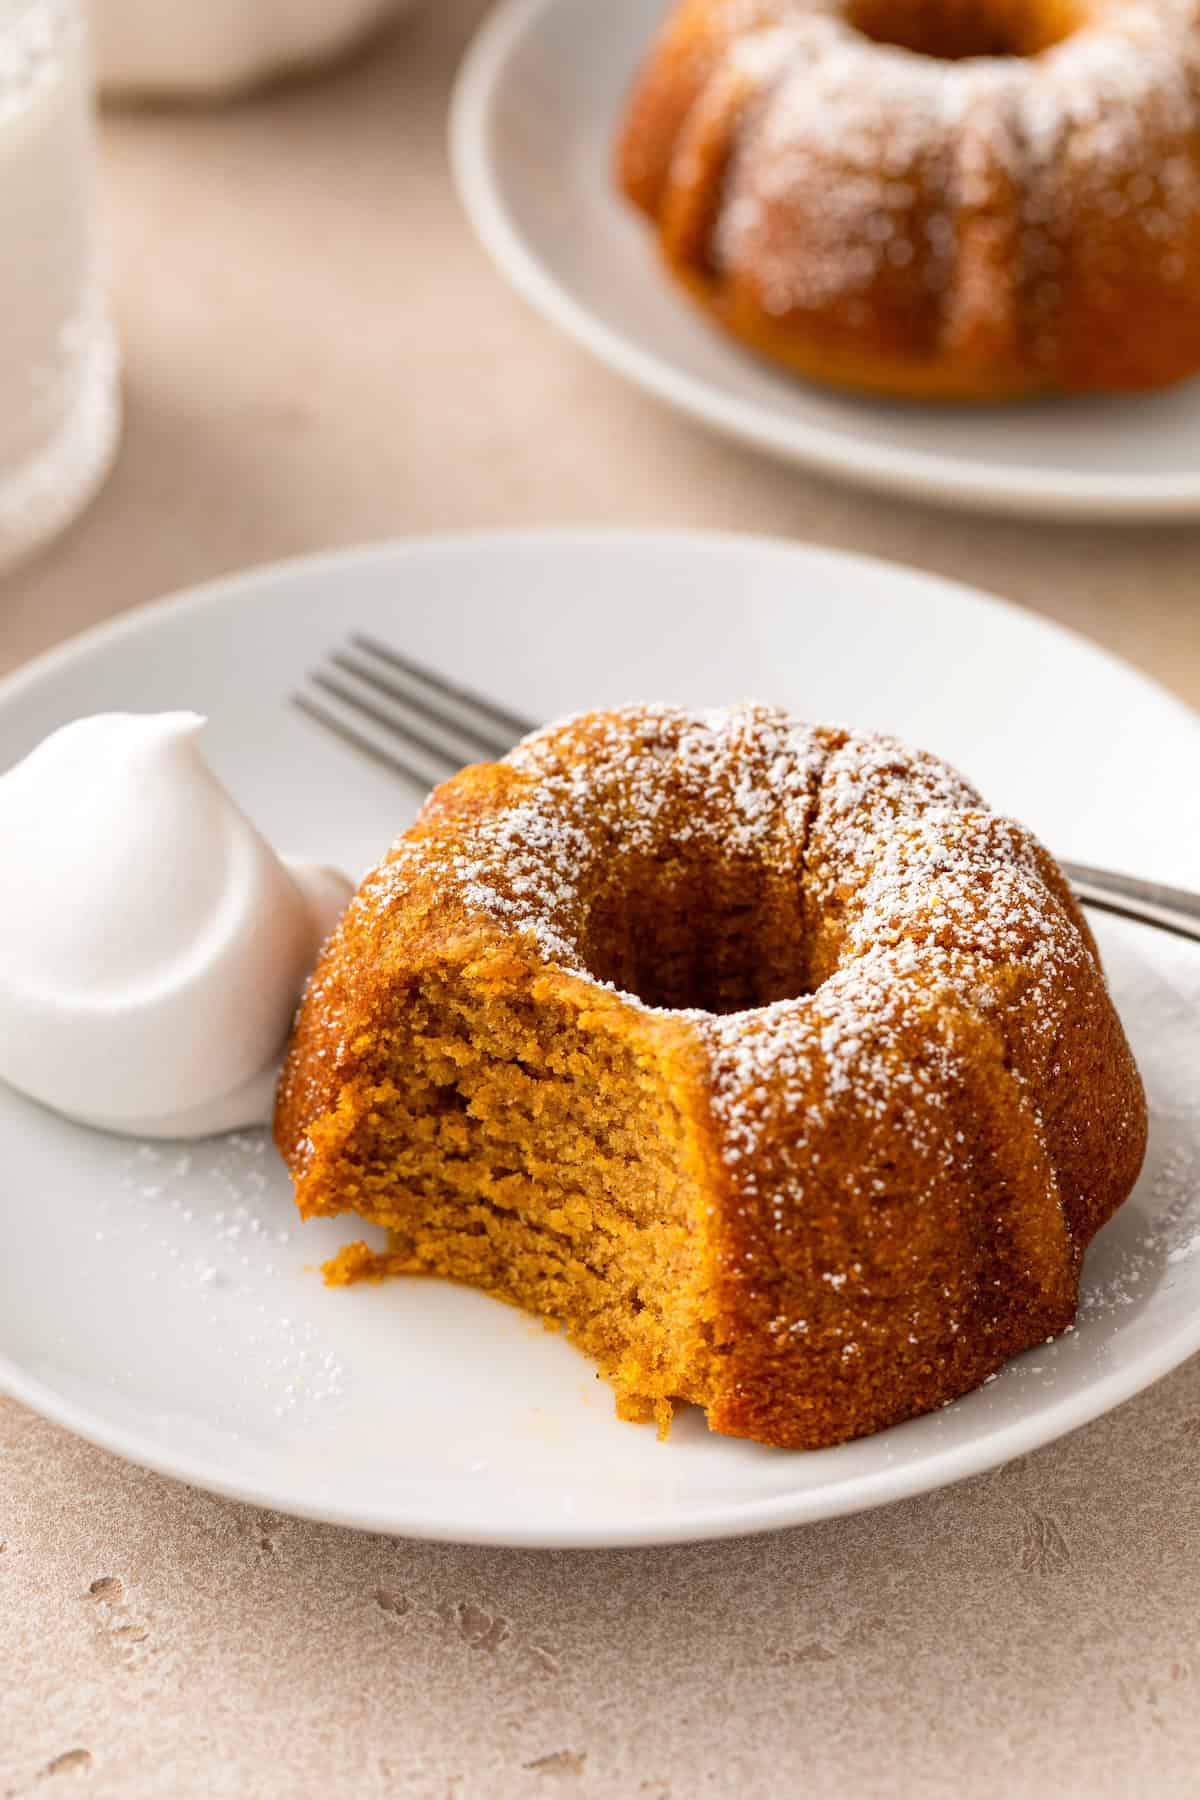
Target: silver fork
[{"x": 421, "y": 727}]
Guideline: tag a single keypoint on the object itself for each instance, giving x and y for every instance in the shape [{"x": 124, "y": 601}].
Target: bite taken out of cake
[{"x": 760, "y": 1057}]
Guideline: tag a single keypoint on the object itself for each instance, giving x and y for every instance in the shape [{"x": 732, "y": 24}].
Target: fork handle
[{"x": 1152, "y": 902}]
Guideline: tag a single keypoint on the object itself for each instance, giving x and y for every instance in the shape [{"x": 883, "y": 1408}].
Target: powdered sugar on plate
[{"x": 218, "y": 1219}]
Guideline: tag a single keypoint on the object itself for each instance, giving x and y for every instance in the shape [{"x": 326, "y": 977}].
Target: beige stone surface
[{"x": 318, "y": 353}]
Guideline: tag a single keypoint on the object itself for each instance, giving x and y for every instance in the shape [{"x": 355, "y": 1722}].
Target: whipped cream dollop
[{"x": 152, "y": 944}]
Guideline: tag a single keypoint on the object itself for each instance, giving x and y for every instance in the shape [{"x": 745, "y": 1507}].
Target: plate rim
[
  {"x": 216, "y": 588},
  {"x": 856, "y": 1493},
  {"x": 749, "y": 1518},
  {"x": 999, "y": 488}
]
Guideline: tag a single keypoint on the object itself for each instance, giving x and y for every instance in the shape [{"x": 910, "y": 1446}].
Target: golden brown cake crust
[
  {"x": 1015, "y": 212},
  {"x": 761, "y": 1056}
]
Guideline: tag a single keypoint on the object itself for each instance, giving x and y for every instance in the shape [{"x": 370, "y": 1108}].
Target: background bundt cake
[
  {"x": 960, "y": 199},
  {"x": 761, "y": 1057}
]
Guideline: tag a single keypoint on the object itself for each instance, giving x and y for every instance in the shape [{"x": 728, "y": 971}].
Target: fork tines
[{"x": 411, "y": 720}]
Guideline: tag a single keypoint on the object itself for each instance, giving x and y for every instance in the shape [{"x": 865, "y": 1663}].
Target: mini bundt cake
[
  {"x": 762, "y": 1058},
  {"x": 939, "y": 199}
]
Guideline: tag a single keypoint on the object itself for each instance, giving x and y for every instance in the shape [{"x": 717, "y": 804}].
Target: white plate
[
  {"x": 140, "y": 1307},
  {"x": 531, "y": 134}
]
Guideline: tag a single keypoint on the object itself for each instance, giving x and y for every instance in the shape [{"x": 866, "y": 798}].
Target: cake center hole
[
  {"x": 682, "y": 934},
  {"x": 951, "y": 30}
]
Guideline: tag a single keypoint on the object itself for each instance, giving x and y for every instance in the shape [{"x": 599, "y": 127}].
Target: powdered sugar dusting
[
  {"x": 927, "y": 909},
  {"x": 638, "y": 781},
  {"x": 874, "y": 159}
]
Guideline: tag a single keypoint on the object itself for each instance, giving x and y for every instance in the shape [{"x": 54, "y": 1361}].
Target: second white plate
[{"x": 532, "y": 129}]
